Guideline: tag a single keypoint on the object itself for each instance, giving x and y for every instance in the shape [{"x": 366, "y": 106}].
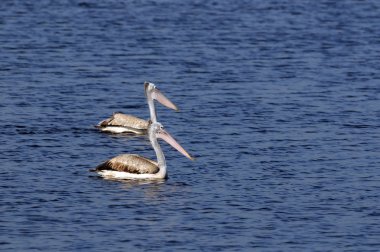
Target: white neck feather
[
  {"x": 160, "y": 156},
  {"x": 152, "y": 108}
]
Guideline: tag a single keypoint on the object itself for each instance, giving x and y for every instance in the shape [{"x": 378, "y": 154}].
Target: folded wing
[
  {"x": 123, "y": 120},
  {"x": 129, "y": 163}
]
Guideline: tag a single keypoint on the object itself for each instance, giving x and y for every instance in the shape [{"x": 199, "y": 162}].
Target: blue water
[{"x": 279, "y": 103}]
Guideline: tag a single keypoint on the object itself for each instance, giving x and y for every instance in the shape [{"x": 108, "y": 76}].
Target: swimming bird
[
  {"x": 131, "y": 166},
  {"x": 123, "y": 123}
]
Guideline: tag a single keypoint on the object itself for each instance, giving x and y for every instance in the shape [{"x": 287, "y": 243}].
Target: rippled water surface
[{"x": 279, "y": 103}]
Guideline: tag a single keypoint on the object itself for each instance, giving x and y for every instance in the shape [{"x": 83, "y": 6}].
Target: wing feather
[
  {"x": 129, "y": 163},
  {"x": 120, "y": 119}
]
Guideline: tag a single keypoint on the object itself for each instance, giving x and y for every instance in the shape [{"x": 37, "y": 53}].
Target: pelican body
[
  {"x": 131, "y": 166},
  {"x": 123, "y": 123}
]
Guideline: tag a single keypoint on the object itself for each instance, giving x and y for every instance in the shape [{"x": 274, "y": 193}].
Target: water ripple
[{"x": 279, "y": 103}]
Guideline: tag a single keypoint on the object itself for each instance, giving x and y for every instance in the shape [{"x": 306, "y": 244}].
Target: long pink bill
[
  {"x": 170, "y": 140},
  {"x": 163, "y": 100}
]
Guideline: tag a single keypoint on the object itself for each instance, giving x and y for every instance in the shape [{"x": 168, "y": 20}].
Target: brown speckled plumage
[
  {"x": 123, "y": 120},
  {"x": 130, "y": 163}
]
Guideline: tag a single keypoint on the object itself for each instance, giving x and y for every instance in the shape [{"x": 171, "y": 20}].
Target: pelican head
[
  {"x": 156, "y": 130},
  {"x": 152, "y": 91}
]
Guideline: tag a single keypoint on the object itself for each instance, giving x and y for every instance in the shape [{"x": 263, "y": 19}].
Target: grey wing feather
[
  {"x": 120, "y": 119},
  {"x": 129, "y": 163}
]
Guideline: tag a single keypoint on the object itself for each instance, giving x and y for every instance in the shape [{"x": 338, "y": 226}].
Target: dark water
[{"x": 279, "y": 103}]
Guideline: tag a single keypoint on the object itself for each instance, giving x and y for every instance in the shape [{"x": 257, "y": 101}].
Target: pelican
[
  {"x": 131, "y": 166},
  {"x": 122, "y": 123}
]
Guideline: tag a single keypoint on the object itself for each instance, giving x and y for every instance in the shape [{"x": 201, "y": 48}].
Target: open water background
[{"x": 279, "y": 103}]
